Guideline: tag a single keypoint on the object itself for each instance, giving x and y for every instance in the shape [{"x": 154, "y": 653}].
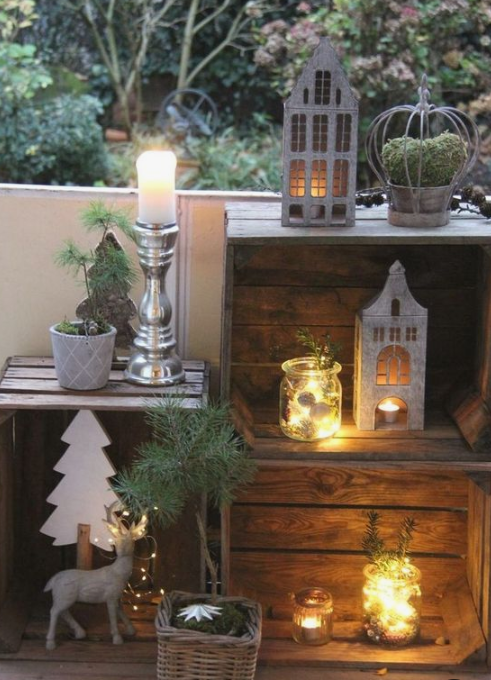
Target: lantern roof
[
  {"x": 323, "y": 58},
  {"x": 395, "y": 288}
]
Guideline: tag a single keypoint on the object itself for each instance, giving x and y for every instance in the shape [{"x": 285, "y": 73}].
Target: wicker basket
[{"x": 192, "y": 655}]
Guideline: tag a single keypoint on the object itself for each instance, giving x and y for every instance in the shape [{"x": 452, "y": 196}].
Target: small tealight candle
[
  {"x": 389, "y": 410},
  {"x": 312, "y": 617},
  {"x": 156, "y": 182}
]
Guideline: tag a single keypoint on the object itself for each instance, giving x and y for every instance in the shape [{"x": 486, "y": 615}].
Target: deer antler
[
  {"x": 139, "y": 530},
  {"x": 114, "y": 523}
]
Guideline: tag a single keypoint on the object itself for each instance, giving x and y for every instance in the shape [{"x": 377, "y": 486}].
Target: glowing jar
[
  {"x": 312, "y": 617},
  {"x": 392, "y": 604},
  {"x": 310, "y": 400}
]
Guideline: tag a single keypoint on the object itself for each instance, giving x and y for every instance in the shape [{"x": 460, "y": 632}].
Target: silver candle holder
[{"x": 154, "y": 361}]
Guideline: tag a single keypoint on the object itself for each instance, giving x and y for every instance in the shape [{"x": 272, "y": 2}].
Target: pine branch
[{"x": 324, "y": 352}]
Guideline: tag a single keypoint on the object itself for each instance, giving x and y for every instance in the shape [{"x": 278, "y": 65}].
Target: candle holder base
[{"x": 158, "y": 372}]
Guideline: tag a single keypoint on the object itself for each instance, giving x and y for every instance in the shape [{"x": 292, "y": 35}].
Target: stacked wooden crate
[{"x": 301, "y": 523}]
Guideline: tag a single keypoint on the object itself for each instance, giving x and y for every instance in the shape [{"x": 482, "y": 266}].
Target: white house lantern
[
  {"x": 390, "y": 358},
  {"x": 320, "y": 145}
]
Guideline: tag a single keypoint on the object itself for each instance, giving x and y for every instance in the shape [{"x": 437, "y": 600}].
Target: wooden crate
[
  {"x": 34, "y": 413},
  {"x": 301, "y": 522}
]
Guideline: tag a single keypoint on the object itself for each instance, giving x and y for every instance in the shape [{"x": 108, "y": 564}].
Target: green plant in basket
[{"x": 192, "y": 452}]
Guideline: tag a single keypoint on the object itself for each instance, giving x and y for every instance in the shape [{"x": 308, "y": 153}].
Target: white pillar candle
[{"x": 156, "y": 182}]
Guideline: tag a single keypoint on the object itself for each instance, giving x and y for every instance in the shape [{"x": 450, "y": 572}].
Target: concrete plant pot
[{"x": 82, "y": 362}]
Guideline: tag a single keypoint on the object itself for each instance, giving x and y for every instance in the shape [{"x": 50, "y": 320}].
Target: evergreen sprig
[
  {"x": 192, "y": 452},
  {"x": 323, "y": 351},
  {"x": 107, "y": 270},
  {"x": 100, "y": 217},
  {"x": 374, "y": 546}
]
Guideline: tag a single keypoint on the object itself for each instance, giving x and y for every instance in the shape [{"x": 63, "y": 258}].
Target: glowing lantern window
[
  {"x": 318, "y": 184},
  {"x": 297, "y": 178}
]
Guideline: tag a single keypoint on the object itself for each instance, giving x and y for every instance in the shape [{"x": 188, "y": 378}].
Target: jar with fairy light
[
  {"x": 392, "y": 587},
  {"x": 311, "y": 392}
]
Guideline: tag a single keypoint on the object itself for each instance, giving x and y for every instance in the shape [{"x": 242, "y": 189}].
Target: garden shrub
[{"x": 57, "y": 141}]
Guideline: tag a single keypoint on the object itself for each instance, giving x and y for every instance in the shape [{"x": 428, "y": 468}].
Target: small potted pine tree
[
  {"x": 391, "y": 591},
  {"x": 195, "y": 452},
  {"x": 83, "y": 349}
]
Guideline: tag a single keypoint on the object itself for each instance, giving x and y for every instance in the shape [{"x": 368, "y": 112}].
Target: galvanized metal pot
[
  {"x": 82, "y": 362},
  {"x": 419, "y": 206}
]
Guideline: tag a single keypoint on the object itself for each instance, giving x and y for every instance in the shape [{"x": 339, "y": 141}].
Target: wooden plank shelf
[
  {"x": 249, "y": 223},
  {"x": 30, "y": 383}
]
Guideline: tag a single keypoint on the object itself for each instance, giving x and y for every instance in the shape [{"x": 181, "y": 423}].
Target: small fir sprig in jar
[
  {"x": 391, "y": 591},
  {"x": 310, "y": 392}
]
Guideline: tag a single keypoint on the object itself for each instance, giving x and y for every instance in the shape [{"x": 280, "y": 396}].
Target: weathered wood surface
[
  {"x": 15, "y": 611},
  {"x": 30, "y": 383},
  {"x": 270, "y": 577},
  {"x": 381, "y": 452},
  {"x": 7, "y": 549},
  {"x": 332, "y": 266},
  {"x": 252, "y": 223},
  {"x": 339, "y": 486},
  {"x": 479, "y": 555},
  {"x": 462, "y": 623},
  {"x": 327, "y": 529}
]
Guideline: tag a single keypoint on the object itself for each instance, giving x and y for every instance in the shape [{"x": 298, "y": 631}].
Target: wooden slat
[
  {"x": 48, "y": 387},
  {"x": 438, "y": 425},
  {"x": 362, "y": 450},
  {"x": 6, "y": 507},
  {"x": 440, "y": 266},
  {"x": 80, "y": 401},
  {"x": 48, "y": 362},
  {"x": 431, "y": 629},
  {"x": 479, "y": 560},
  {"x": 264, "y": 344},
  {"x": 270, "y": 577},
  {"x": 15, "y": 612},
  {"x": 356, "y": 487},
  {"x": 264, "y": 305},
  {"x": 462, "y": 623},
  {"x": 361, "y": 655},
  {"x": 273, "y": 527},
  {"x": 34, "y": 372},
  {"x": 255, "y": 224}
]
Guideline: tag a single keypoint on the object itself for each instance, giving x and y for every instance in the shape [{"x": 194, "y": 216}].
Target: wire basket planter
[
  {"x": 421, "y": 169},
  {"x": 192, "y": 655}
]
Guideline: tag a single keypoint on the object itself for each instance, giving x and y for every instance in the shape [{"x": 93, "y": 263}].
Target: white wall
[{"x": 35, "y": 293}]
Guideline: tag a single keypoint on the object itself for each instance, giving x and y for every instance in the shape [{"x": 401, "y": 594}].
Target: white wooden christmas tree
[
  {"x": 390, "y": 358},
  {"x": 83, "y": 492}
]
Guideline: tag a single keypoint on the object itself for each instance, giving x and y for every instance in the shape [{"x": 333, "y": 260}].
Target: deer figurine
[{"x": 99, "y": 585}]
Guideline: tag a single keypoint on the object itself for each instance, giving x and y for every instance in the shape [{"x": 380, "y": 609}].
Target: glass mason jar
[
  {"x": 312, "y": 617},
  {"x": 392, "y": 605},
  {"x": 310, "y": 400}
]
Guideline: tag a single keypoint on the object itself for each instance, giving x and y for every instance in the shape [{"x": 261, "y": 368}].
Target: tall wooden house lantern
[
  {"x": 390, "y": 358},
  {"x": 320, "y": 145}
]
